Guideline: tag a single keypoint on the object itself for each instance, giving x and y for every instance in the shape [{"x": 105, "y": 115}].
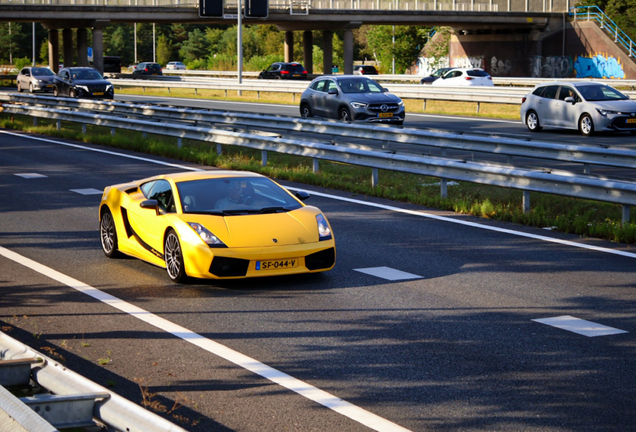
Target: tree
[
  {"x": 164, "y": 50},
  {"x": 403, "y": 51},
  {"x": 44, "y": 52},
  {"x": 195, "y": 47}
]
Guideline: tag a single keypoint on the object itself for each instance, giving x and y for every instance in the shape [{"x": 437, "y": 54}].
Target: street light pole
[{"x": 239, "y": 42}]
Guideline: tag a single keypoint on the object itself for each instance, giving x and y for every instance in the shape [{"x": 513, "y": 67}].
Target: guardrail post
[
  {"x": 587, "y": 169},
  {"x": 168, "y": 90},
  {"x": 478, "y": 105},
  {"x": 58, "y": 125},
  {"x": 374, "y": 177},
  {"x": 84, "y": 129},
  {"x": 443, "y": 188},
  {"x": 294, "y": 97},
  {"x": 112, "y": 131},
  {"x": 424, "y": 105},
  {"x": 626, "y": 210},
  {"x": 225, "y": 93},
  {"x": 316, "y": 166},
  {"x": 258, "y": 94},
  {"x": 526, "y": 202},
  {"x": 264, "y": 158},
  {"x": 195, "y": 91},
  {"x": 35, "y": 121},
  {"x": 179, "y": 142},
  {"x": 219, "y": 150}
]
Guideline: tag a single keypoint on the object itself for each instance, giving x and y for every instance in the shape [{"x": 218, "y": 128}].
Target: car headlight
[
  {"x": 324, "y": 232},
  {"x": 109, "y": 87},
  {"x": 604, "y": 112},
  {"x": 205, "y": 234},
  {"x": 358, "y": 105},
  {"x": 84, "y": 88},
  {"x": 401, "y": 103}
]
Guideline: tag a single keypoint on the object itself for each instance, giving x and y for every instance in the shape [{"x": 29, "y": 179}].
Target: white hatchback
[
  {"x": 459, "y": 77},
  {"x": 175, "y": 65}
]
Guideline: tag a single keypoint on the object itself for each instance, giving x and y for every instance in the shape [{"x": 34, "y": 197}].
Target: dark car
[
  {"x": 280, "y": 70},
  {"x": 82, "y": 82},
  {"x": 112, "y": 64},
  {"x": 351, "y": 98},
  {"x": 35, "y": 79},
  {"x": 435, "y": 75},
  {"x": 364, "y": 70},
  {"x": 148, "y": 68}
]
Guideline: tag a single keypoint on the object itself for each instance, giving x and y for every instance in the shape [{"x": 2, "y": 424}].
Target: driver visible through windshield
[{"x": 354, "y": 85}]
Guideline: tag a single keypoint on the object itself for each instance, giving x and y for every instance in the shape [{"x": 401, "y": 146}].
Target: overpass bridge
[{"x": 524, "y": 24}]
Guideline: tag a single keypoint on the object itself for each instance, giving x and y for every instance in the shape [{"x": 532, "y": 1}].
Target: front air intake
[
  {"x": 321, "y": 260},
  {"x": 229, "y": 267}
]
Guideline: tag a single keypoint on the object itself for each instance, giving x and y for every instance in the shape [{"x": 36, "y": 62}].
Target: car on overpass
[
  {"x": 147, "y": 68},
  {"x": 434, "y": 76},
  {"x": 35, "y": 79},
  {"x": 365, "y": 70},
  {"x": 81, "y": 83},
  {"x": 460, "y": 77},
  {"x": 175, "y": 65},
  {"x": 216, "y": 225},
  {"x": 351, "y": 98},
  {"x": 587, "y": 106}
]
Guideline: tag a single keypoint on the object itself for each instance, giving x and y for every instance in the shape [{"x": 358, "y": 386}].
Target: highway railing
[
  {"x": 536, "y": 180},
  {"x": 67, "y": 400},
  {"x": 594, "y": 13}
]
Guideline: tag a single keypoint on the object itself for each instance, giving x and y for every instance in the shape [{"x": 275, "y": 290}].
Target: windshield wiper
[{"x": 273, "y": 210}]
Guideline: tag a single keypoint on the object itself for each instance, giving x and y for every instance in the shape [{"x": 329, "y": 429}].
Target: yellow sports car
[{"x": 216, "y": 225}]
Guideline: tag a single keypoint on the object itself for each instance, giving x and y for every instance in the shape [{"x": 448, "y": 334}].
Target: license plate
[
  {"x": 296, "y": 75},
  {"x": 278, "y": 264},
  {"x": 385, "y": 114},
  {"x": 49, "y": 86},
  {"x": 98, "y": 94},
  {"x": 630, "y": 120}
]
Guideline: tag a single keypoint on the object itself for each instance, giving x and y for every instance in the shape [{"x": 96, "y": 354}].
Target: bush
[
  {"x": 198, "y": 64},
  {"x": 19, "y": 63}
]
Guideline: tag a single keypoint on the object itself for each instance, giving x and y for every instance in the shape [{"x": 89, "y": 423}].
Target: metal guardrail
[
  {"x": 546, "y": 181},
  {"x": 389, "y": 136},
  {"x": 594, "y": 13},
  {"x": 70, "y": 399},
  {"x": 342, "y": 5}
]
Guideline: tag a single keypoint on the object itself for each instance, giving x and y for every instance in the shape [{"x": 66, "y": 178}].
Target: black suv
[
  {"x": 148, "y": 68},
  {"x": 82, "y": 82},
  {"x": 364, "y": 70},
  {"x": 280, "y": 70}
]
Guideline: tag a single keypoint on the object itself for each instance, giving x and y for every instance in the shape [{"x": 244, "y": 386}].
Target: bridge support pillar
[
  {"x": 54, "y": 50},
  {"x": 308, "y": 45},
  {"x": 327, "y": 51},
  {"x": 67, "y": 47},
  {"x": 348, "y": 52},
  {"x": 82, "y": 47},
  {"x": 289, "y": 46},
  {"x": 98, "y": 49}
]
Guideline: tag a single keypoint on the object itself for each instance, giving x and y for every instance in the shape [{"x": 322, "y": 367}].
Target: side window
[
  {"x": 162, "y": 192},
  {"x": 319, "y": 86},
  {"x": 538, "y": 91},
  {"x": 550, "y": 92},
  {"x": 146, "y": 187},
  {"x": 25, "y": 72},
  {"x": 331, "y": 85},
  {"x": 566, "y": 92}
]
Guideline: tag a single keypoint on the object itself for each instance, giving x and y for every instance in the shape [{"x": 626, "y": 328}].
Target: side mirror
[
  {"x": 385, "y": 90},
  {"x": 302, "y": 195},
  {"x": 149, "y": 204},
  {"x": 332, "y": 91},
  {"x": 569, "y": 100}
]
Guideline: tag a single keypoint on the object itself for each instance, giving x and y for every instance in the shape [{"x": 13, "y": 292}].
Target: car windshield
[
  {"x": 353, "y": 85},
  {"x": 439, "y": 72},
  {"x": 600, "y": 93},
  {"x": 86, "y": 75},
  {"x": 42, "y": 72},
  {"x": 477, "y": 73},
  {"x": 234, "y": 196}
]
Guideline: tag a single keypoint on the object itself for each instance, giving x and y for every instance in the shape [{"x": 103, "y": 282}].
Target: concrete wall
[{"x": 586, "y": 52}]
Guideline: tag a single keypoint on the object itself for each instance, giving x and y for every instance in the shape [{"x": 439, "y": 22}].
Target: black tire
[
  {"x": 344, "y": 114},
  {"x": 586, "y": 125},
  {"x": 56, "y": 93},
  {"x": 305, "y": 111},
  {"x": 72, "y": 94},
  {"x": 31, "y": 88},
  {"x": 173, "y": 256},
  {"x": 19, "y": 87},
  {"x": 108, "y": 234},
  {"x": 532, "y": 121}
]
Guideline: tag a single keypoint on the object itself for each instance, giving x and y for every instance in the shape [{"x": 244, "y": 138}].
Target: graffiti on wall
[
  {"x": 468, "y": 62},
  {"x": 499, "y": 67},
  {"x": 551, "y": 66},
  {"x": 598, "y": 66},
  {"x": 428, "y": 65}
]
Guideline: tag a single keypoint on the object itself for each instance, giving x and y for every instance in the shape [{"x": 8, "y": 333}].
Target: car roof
[
  {"x": 202, "y": 175},
  {"x": 571, "y": 83}
]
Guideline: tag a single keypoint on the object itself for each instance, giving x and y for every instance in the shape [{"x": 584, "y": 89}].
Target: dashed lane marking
[
  {"x": 580, "y": 326},
  {"x": 388, "y": 273},
  {"x": 310, "y": 392},
  {"x": 88, "y": 191},
  {"x": 31, "y": 175}
]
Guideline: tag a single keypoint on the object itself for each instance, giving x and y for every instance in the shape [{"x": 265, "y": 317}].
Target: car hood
[
  {"x": 372, "y": 97},
  {"x": 262, "y": 230},
  {"x": 91, "y": 82},
  {"x": 627, "y": 105}
]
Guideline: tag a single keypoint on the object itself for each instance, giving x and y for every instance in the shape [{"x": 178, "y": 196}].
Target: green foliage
[
  {"x": 164, "y": 50},
  {"x": 194, "y": 47},
  {"x": 396, "y": 43},
  {"x": 19, "y": 63},
  {"x": 259, "y": 63},
  {"x": 44, "y": 52}
]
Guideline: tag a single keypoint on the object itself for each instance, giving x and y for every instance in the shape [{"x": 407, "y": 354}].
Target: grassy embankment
[{"x": 568, "y": 215}]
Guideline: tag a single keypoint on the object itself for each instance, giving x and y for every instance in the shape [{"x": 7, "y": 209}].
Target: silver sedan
[
  {"x": 35, "y": 79},
  {"x": 587, "y": 106}
]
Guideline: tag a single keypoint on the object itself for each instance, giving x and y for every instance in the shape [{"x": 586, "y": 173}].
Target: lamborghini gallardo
[{"x": 216, "y": 225}]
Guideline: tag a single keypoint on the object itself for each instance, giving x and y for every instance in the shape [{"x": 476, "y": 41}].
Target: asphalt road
[{"x": 453, "y": 347}]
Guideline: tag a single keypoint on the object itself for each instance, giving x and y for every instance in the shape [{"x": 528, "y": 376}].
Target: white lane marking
[
  {"x": 365, "y": 203},
  {"x": 388, "y": 273},
  {"x": 88, "y": 191},
  {"x": 579, "y": 326},
  {"x": 310, "y": 392},
  {"x": 480, "y": 119},
  {"x": 31, "y": 175}
]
